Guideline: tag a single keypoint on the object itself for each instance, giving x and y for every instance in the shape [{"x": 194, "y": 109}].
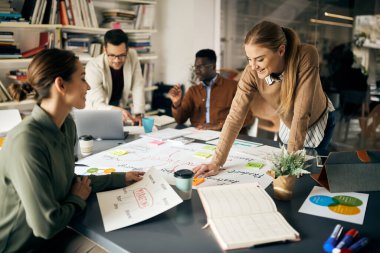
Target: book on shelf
[
  {"x": 63, "y": 13},
  {"x": 244, "y": 215},
  {"x": 28, "y": 9},
  {"x": 45, "y": 41},
  {"x": 4, "y": 94}
]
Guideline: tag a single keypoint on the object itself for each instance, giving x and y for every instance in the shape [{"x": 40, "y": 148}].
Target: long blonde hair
[{"x": 272, "y": 36}]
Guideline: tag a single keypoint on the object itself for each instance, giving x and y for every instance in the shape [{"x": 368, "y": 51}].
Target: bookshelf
[{"x": 26, "y": 36}]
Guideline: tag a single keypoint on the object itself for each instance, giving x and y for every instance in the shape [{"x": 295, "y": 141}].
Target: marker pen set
[{"x": 346, "y": 244}]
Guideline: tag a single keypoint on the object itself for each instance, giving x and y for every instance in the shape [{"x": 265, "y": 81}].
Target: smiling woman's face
[{"x": 265, "y": 61}]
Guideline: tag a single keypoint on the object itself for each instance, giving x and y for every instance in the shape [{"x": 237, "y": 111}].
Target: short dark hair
[
  {"x": 115, "y": 37},
  {"x": 207, "y": 53}
]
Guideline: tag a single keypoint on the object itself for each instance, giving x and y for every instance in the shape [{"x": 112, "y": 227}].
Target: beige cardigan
[
  {"x": 309, "y": 103},
  {"x": 98, "y": 76}
]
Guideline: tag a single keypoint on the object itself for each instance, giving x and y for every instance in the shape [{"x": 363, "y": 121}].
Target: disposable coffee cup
[
  {"x": 86, "y": 144},
  {"x": 183, "y": 183},
  {"x": 148, "y": 124}
]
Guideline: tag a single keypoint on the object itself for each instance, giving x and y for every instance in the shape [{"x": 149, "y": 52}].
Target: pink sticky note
[
  {"x": 155, "y": 143},
  {"x": 116, "y": 25}
]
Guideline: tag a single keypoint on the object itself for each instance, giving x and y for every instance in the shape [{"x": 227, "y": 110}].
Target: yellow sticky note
[
  {"x": 198, "y": 181},
  {"x": 209, "y": 147},
  {"x": 202, "y": 155},
  {"x": 119, "y": 152}
]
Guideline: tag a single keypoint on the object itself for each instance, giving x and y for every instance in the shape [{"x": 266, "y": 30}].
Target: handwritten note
[{"x": 137, "y": 202}]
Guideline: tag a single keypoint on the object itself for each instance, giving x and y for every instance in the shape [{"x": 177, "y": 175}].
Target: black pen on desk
[{"x": 81, "y": 165}]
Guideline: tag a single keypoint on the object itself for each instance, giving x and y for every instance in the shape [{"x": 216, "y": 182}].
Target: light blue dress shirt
[{"x": 208, "y": 96}]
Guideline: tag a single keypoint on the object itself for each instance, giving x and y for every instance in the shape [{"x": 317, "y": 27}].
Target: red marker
[{"x": 346, "y": 241}]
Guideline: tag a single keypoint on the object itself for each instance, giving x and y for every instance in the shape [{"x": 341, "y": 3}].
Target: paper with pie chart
[{"x": 345, "y": 206}]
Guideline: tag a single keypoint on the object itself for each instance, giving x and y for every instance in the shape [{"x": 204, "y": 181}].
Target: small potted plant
[{"x": 286, "y": 168}]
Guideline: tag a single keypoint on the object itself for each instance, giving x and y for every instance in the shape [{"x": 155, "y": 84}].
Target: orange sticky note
[{"x": 198, "y": 181}]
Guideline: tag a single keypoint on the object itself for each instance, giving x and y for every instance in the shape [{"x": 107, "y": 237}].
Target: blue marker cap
[
  {"x": 330, "y": 243},
  {"x": 346, "y": 241},
  {"x": 358, "y": 245}
]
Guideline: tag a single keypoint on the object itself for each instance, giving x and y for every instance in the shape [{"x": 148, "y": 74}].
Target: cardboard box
[{"x": 350, "y": 171}]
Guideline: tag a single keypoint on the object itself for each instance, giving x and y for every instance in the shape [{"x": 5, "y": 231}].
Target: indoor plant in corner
[{"x": 286, "y": 168}]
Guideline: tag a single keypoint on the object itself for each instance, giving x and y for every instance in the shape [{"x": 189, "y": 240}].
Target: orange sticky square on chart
[{"x": 198, "y": 181}]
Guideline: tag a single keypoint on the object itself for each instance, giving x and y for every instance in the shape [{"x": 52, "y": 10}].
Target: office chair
[{"x": 354, "y": 105}]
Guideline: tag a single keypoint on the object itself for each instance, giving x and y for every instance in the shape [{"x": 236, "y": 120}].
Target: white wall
[{"x": 183, "y": 28}]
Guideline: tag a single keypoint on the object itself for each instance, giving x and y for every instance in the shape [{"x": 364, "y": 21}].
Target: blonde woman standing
[{"x": 286, "y": 74}]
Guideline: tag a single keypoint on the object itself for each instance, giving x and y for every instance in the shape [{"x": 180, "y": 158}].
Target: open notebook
[{"x": 244, "y": 215}]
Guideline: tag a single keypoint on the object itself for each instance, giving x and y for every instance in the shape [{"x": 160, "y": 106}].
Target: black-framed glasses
[
  {"x": 200, "y": 67},
  {"x": 120, "y": 57}
]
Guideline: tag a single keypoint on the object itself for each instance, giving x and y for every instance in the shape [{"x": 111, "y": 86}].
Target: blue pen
[
  {"x": 357, "y": 246},
  {"x": 329, "y": 245},
  {"x": 346, "y": 241}
]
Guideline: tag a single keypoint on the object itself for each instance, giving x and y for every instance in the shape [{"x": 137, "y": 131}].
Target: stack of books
[
  {"x": 18, "y": 75},
  {"x": 119, "y": 19},
  {"x": 140, "y": 42},
  {"x": 8, "y": 47},
  {"x": 7, "y": 13}
]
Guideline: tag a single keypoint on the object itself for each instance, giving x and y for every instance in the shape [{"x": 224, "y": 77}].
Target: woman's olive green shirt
[{"x": 36, "y": 175}]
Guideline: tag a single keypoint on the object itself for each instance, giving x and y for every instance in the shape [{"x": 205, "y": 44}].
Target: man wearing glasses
[
  {"x": 114, "y": 75},
  {"x": 206, "y": 104}
]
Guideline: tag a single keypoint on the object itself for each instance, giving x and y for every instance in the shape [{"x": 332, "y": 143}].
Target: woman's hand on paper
[
  {"x": 133, "y": 176},
  {"x": 81, "y": 187},
  {"x": 206, "y": 170}
]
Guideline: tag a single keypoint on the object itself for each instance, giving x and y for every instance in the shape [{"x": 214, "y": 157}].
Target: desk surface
[{"x": 180, "y": 228}]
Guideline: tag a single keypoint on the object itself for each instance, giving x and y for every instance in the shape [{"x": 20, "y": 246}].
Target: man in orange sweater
[{"x": 208, "y": 103}]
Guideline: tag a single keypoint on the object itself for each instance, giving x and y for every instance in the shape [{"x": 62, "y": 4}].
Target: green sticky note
[
  {"x": 254, "y": 165},
  {"x": 92, "y": 170},
  {"x": 209, "y": 147},
  {"x": 119, "y": 152},
  {"x": 202, "y": 155}
]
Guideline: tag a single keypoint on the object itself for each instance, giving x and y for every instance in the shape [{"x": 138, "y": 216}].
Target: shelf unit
[{"x": 25, "y": 35}]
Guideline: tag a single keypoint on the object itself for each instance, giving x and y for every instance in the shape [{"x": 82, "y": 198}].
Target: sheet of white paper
[
  {"x": 132, "y": 130},
  {"x": 137, "y": 202},
  {"x": 238, "y": 143},
  {"x": 9, "y": 119},
  {"x": 140, "y": 156},
  {"x": 265, "y": 152},
  {"x": 203, "y": 135},
  {"x": 165, "y": 134},
  {"x": 345, "y": 206}
]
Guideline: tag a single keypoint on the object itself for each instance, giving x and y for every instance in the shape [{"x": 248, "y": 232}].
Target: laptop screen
[{"x": 101, "y": 124}]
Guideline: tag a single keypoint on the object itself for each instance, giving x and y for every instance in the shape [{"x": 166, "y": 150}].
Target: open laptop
[{"x": 101, "y": 124}]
